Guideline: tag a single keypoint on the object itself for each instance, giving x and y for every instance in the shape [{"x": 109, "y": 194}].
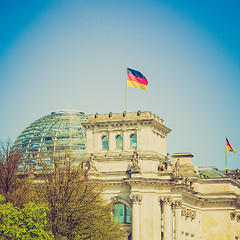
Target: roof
[{"x": 209, "y": 172}]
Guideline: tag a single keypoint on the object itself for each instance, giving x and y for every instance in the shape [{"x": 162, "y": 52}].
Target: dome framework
[{"x": 55, "y": 133}]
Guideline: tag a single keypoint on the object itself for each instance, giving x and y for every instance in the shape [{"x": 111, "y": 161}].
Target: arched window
[
  {"x": 121, "y": 213},
  {"x": 104, "y": 142},
  {"x": 133, "y": 141},
  {"x": 119, "y": 142}
]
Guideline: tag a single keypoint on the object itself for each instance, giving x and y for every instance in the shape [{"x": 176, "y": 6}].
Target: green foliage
[
  {"x": 76, "y": 210},
  {"x": 15, "y": 188},
  {"x": 2, "y": 199},
  {"x": 88, "y": 217},
  {"x": 23, "y": 224}
]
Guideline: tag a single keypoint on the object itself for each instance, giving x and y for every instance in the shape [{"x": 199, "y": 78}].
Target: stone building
[{"x": 154, "y": 198}]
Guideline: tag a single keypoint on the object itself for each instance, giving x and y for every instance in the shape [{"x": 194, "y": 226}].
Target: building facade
[{"x": 154, "y": 198}]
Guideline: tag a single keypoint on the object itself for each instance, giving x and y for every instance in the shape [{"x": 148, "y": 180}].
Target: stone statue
[
  {"x": 164, "y": 164},
  {"x": 90, "y": 163},
  {"x": 135, "y": 165},
  {"x": 176, "y": 168},
  {"x": 161, "y": 166}
]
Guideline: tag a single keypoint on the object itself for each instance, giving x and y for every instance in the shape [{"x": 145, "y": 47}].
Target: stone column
[
  {"x": 178, "y": 220},
  {"x": 189, "y": 221},
  {"x": 156, "y": 219},
  {"x": 136, "y": 201},
  {"x": 167, "y": 219},
  {"x": 237, "y": 226},
  {"x": 198, "y": 225},
  {"x": 89, "y": 139},
  {"x": 183, "y": 218},
  {"x": 95, "y": 147},
  {"x": 126, "y": 141},
  {"x": 97, "y": 141},
  {"x": 194, "y": 224},
  {"x": 139, "y": 139},
  {"x": 111, "y": 141}
]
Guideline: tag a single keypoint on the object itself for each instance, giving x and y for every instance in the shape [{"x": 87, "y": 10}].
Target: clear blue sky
[{"x": 58, "y": 54}]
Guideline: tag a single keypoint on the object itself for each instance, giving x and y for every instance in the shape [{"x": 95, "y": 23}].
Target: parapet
[
  {"x": 127, "y": 118},
  {"x": 124, "y": 116}
]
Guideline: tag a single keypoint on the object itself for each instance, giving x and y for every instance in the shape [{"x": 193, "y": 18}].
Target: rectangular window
[
  {"x": 118, "y": 213},
  {"x": 127, "y": 215}
]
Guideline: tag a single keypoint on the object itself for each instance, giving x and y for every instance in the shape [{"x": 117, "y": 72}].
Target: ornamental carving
[
  {"x": 184, "y": 212},
  {"x": 178, "y": 204},
  {"x": 193, "y": 214},
  {"x": 114, "y": 199},
  {"x": 135, "y": 161},
  {"x": 136, "y": 198},
  {"x": 164, "y": 164},
  {"x": 232, "y": 215},
  {"x": 90, "y": 164},
  {"x": 188, "y": 183},
  {"x": 188, "y": 213},
  {"x": 176, "y": 168},
  {"x": 166, "y": 200}
]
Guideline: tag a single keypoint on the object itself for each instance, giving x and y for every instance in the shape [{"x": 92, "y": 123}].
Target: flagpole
[
  {"x": 126, "y": 92},
  {"x": 226, "y": 160},
  {"x": 226, "y": 154}
]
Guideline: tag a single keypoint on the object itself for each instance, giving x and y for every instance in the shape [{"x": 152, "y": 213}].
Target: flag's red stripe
[
  {"x": 228, "y": 144},
  {"x": 131, "y": 77},
  {"x": 229, "y": 147}
]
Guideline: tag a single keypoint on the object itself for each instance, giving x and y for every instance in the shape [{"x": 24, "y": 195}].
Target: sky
[{"x": 72, "y": 54}]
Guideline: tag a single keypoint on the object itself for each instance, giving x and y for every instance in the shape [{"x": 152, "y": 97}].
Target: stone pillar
[
  {"x": 126, "y": 141},
  {"x": 194, "y": 224},
  {"x": 183, "y": 223},
  {"x": 167, "y": 219},
  {"x": 156, "y": 219},
  {"x": 89, "y": 140},
  {"x": 136, "y": 201},
  {"x": 139, "y": 139},
  {"x": 97, "y": 141},
  {"x": 178, "y": 220},
  {"x": 189, "y": 221},
  {"x": 198, "y": 225},
  {"x": 237, "y": 226},
  {"x": 111, "y": 141},
  {"x": 232, "y": 224},
  {"x": 94, "y": 142}
]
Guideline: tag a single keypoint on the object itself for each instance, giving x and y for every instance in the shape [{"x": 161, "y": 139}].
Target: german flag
[
  {"x": 229, "y": 147},
  {"x": 136, "y": 79}
]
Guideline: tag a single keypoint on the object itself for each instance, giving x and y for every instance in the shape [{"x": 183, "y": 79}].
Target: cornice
[
  {"x": 125, "y": 156},
  {"x": 203, "y": 199},
  {"x": 218, "y": 181},
  {"x": 104, "y": 124},
  {"x": 149, "y": 181},
  {"x": 115, "y": 183},
  {"x": 212, "y": 198}
]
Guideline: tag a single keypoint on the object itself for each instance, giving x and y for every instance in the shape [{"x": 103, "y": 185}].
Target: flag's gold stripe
[{"x": 136, "y": 84}]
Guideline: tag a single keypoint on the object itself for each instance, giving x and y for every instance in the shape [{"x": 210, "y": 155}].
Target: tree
[
  {"x": 13, "y": 187},
  {"x": 76, "y": 209},
  {"x": 27, "y": 223}
]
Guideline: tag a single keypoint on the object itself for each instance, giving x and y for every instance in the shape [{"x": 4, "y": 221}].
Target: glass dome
[{"x": 55, "y": 132}]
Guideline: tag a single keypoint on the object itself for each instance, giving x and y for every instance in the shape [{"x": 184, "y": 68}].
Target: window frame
[
  {"x": 132, "y": 143},
  {"x": 119, "y": 142},
  {"x": 126, "y": 217},
  {"x": 105, "y": 141}
]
